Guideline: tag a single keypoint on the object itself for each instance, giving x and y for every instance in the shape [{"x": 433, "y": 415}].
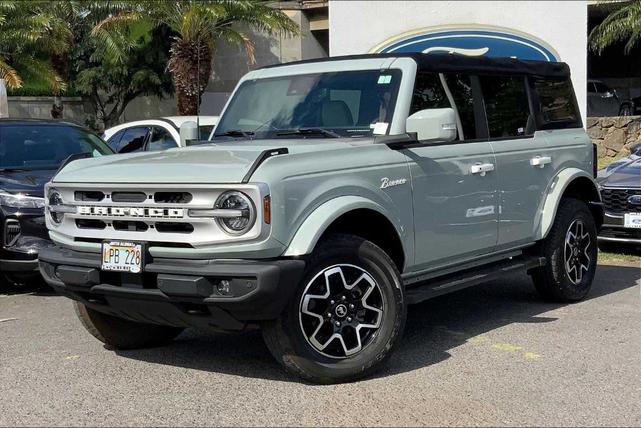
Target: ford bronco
[{"x": 332, "y": 194}]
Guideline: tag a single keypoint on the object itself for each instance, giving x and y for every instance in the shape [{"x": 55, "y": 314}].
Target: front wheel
[
  {"x": 346, "y": 316},
  {"x": 571, "y": 252}
]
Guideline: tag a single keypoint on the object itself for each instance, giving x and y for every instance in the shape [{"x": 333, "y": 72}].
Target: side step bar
[{"x": 467, "y": 278}]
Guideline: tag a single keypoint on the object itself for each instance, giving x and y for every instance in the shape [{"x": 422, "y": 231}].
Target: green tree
[
  {"x": 30, "y": 32},
  {"x": 623, "y": 24},
  {"x": 112, "y": 86},
  {"x": 196, "y": 26}
]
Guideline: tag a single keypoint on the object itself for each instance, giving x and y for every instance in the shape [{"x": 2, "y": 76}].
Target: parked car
[
  {"x": 30, "y": 153},
  {"x": 620, "y": 185},
  {"x": 335, "y": 193},
  {"x": 604, "y": 101},
  {"x": 155, "y": 134}
]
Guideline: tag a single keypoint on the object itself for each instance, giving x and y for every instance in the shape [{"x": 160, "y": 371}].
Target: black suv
[{"x": 31, "y": 151}]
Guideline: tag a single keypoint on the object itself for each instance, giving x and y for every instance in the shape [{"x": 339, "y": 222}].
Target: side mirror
[
  {"x": 188, "y": 132},
  {"x": 433, "y": 125}
]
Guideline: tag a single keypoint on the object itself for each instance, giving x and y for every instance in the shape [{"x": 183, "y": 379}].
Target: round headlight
[
  {"x": 55, "y": 200},
  {"x": 242, "y": 213}
]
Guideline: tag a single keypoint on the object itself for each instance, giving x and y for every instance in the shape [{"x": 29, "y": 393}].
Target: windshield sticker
[
  {"x": 384, "y": 79},
  {"x": 380, "y": 128}
]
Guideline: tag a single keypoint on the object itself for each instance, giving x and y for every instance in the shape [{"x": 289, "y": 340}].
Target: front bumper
[
  {"x": 20, "y": 256},
  {"x": 614, "y": 231},
  {"x": 177, "y": 292}
]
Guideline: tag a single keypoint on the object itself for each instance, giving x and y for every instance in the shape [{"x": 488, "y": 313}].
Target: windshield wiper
[
  {"x": 310, "y": 131},
  {"x": 236, "y": 133}
]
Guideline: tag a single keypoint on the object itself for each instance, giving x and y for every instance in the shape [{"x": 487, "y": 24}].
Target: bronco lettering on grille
[{"x": 132, "y": 212}]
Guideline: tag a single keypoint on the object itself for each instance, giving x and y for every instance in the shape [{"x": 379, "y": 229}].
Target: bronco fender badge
[{"x": 387, "y": 182}]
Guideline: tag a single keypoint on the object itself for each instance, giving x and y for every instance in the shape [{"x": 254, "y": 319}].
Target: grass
[{"x": 622, "y": 255}]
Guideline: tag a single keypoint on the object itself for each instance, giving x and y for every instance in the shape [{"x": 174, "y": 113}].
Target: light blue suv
[{"x": 333, "y": 194}]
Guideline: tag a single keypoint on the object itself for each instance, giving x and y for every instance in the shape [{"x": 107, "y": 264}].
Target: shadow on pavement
[
  {"x": 433, "y": 328},
  {"x": 35, "y": 286}
]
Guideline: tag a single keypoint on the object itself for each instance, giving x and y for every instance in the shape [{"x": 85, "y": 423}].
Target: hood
[
  {"x": 623, "y": 173},
  {"x": 30, "y": 182},
  {"x": 224, "y": 162}
]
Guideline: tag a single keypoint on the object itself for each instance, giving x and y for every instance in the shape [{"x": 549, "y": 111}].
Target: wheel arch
[
  {"x": 569, "y": 183},
  {"x": 353, "y": 215}
]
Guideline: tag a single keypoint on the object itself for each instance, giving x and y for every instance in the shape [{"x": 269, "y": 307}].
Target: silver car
[{"x": 333, "y": 194}]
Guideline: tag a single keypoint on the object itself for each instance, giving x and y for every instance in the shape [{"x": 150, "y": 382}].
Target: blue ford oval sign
[{"x": 494, "y": 42}]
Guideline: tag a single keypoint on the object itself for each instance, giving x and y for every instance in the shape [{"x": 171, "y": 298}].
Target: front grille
[
  {"x": 151, "y": 243},
  {"x": 168, "y": 227},
  {"x": 11, "y": 232},
  {"x": 172, "y": 197},
  {"x": 128, "y": 197},
  {"x": 83, "y": 223},
  {"x": 89, "y": 196},
  {"x": 157, "y": 214},
  {"x": 130, "y": 226},
  {"x": 616, "y": 200}
]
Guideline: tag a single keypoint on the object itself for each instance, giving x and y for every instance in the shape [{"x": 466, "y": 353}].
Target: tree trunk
[
  {"x": 59, "y": 65},
  {"x": 190, "y": 68}
]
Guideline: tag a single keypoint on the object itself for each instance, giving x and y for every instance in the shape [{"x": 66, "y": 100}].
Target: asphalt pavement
[{"x": 490, "y": 355}]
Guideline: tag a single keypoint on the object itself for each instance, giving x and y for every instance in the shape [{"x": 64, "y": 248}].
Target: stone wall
[
  {"x": 76, "y": 109},
  {"x": 614, "y": 135}
]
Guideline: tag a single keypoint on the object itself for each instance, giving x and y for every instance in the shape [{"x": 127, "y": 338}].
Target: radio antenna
[{"x": 198, "y": 90}]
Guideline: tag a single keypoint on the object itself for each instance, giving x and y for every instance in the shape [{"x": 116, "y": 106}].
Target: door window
[
  {"x": 460, "y": 85},
  {"x": 133, "y": 140},
  {"x": 428, "y": 93},
  {"x": 160, "y": 139},
  {"x": 506, "y": 106},
  {"x": 114, "y": 141}
]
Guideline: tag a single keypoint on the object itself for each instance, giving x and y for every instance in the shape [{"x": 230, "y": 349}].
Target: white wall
[{"x": 358, "y": 26}]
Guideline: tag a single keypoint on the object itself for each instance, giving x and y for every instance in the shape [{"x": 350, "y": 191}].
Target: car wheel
[
  {"x": 571, "y": 253},
  {"x": 118, "y": 333},
  {"x": 346, "y": 317}
]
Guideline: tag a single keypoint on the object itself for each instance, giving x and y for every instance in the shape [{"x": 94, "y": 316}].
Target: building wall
[
  {"x": 357, "y": 27},
  {"x": 230, "y": 62}
]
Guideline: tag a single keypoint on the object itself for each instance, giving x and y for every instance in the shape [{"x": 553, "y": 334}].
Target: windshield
[
  {"x": 347, "y": 103},
  {"x": 25, "y": 146}
]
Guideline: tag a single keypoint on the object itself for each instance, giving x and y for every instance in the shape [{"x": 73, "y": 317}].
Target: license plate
[
  {"x": 632, "y": 220},
  {"x": 122, "y": 256}
]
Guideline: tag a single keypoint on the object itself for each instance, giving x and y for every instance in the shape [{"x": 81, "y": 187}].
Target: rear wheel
[
  {"x": 571, "y": 252},
  {"x": 119, "y": 333},
  {"x": 346, "y": 317}
]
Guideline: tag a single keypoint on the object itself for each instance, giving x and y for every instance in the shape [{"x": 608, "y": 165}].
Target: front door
[
  {"x": 454, "y": 184},
  {"x": 455, "y": 202}
]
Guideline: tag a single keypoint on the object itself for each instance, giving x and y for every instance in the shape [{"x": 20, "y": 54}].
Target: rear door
[
  {"x": 455, "y": 210},
  {"x": 523, "y": 158}
]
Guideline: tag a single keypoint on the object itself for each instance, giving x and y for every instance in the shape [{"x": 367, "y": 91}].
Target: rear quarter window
[{"x": 556, "y": 103}]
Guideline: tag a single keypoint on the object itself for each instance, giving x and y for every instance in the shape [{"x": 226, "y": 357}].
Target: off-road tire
[
  {"x": 552, "y": 281},
  {"x": 118, "y": 333},
  {"x": 287, "y": 341}
]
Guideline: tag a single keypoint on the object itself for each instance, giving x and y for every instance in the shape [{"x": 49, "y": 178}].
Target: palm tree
[
  {"x": 29, "y": 33},
  {"x": 197, "y": 25},
  {"x": 623, "y": 24}
]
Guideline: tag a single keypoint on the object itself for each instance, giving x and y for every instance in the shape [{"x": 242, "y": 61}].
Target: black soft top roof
[{"x": 460, "y": 63}]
